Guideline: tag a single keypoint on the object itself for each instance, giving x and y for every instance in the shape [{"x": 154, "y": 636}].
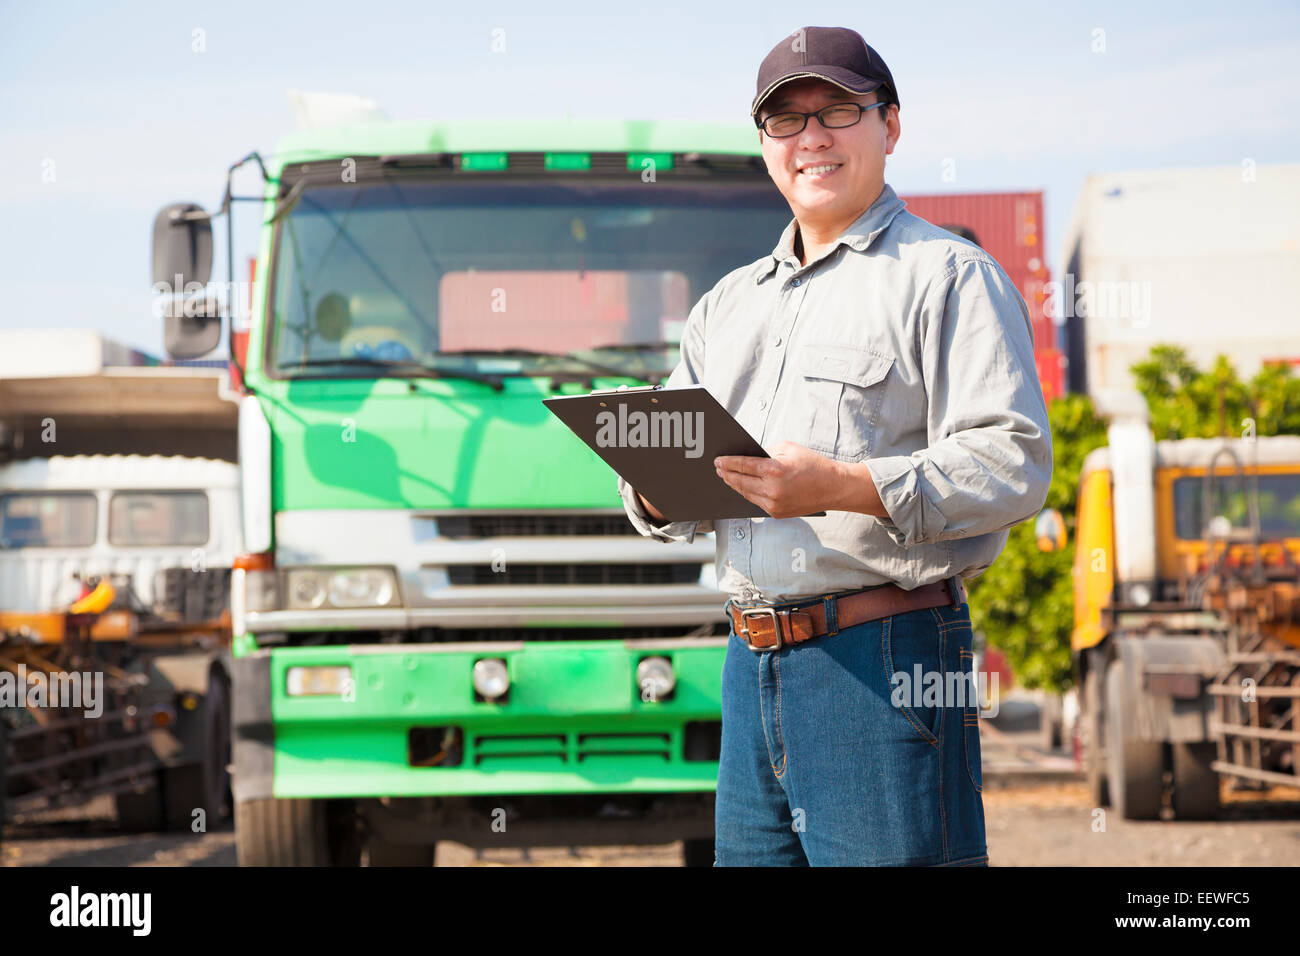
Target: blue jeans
[{"x": 824, "y": 764}]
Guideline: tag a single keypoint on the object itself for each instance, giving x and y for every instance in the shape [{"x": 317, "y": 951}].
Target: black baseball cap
[{"x": 835, "y": 54}]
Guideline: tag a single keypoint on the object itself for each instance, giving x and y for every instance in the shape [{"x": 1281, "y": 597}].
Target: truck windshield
[
  {"x": 1279, "y": 505},
  {"x": 506, "y": 278},
  {"x": 141, "y": 518},
  {"x": 54, "y": 520}
]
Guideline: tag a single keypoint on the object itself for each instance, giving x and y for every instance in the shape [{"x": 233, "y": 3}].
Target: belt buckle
[{"x": 776, "y": 627}]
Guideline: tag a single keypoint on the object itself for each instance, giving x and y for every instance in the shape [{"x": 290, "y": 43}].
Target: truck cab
[
  {"x": 1186, "y": 619},
  {"x": 445, "y": 625}
]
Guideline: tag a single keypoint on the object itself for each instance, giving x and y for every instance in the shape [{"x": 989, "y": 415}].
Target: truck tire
[
  {"x": 294, "y": 832},
  {"x": 382, "y": 853},
  {"x": 1135, "y": 774},
  {"x": 698, "y": 853},
  {"x": 204, "y": 785},
  {"x": 1093, "y": 737},
  {"x": 1196, "y": 786},
  {"x": 4, "y": 783},
  {"x": 1051, "y": 730}
]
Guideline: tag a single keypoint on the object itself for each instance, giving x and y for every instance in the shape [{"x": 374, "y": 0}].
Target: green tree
[
  {"x": 1186, "y": 402},
  {"x": 1024, "y": 603}
]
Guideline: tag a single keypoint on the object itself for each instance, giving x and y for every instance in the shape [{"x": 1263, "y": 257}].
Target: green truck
[{"x": 445, "y": 627}]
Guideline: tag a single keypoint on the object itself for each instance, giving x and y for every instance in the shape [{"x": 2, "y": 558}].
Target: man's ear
[{"x": 893, "y": 128}]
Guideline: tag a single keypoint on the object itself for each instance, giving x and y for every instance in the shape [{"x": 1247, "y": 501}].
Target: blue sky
[{"x": 1012, "y": 93}]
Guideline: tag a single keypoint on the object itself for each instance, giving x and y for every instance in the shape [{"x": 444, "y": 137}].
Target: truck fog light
[
  {"x": 1140, "y": 594},
  {"x": 318, "y": 681},
  {"x": 491, "y": 678},
  {"x": 654, "y": 675}
]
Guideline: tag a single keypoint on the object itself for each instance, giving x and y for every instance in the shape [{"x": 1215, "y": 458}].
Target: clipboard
[{"x": 662, "y": 442}]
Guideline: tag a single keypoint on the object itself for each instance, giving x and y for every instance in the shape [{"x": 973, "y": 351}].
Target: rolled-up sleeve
[
  {"x": 689, "y": 371},
  {"x": 988, "y": 460}
]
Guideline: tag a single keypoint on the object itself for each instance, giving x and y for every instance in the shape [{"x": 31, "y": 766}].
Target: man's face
[{"x": 856, "y": 154}]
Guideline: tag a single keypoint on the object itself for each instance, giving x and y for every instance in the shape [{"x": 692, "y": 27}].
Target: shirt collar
[{"x": 858, "y": 236}]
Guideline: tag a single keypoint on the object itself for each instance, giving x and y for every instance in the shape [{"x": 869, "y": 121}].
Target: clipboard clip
[{"x": 624, "y": 388}]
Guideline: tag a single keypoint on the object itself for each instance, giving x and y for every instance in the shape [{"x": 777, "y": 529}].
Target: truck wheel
[
  {"x": 1136, "y": 767},
  {"x": 1196, "y": 786},
  {"x": 1092, "y": 737},
  {"x": 382, "y": 853},
  {"x": 204, "y": 785},
  {"x": 697, "y": 853},
  {"x": 296, "y": 832},
  {"x": 141, "y": 812}
]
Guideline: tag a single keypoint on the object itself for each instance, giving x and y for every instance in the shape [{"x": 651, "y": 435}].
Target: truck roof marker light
[
  {"x": 567, "y": 161},
  {"x": 658, "y": 161},
  {"x": 484, "y": 162}
]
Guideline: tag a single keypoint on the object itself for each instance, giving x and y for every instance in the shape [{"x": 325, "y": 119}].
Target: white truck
[{"x": 114, "y": 635}]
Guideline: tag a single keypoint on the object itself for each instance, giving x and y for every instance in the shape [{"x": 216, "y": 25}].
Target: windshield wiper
[
  {"x": 596, "y": 367},
  {"x": 399, "y": 365},
  {"x": 635, "y": 346}
]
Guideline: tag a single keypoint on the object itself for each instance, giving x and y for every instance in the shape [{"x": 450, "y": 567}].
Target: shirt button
[
  {"x": 795, "y": 282},
  {"x": 762, "y": 403},
  {"x": 778, "y": 342},
  {"x": 739, "y": 532}
]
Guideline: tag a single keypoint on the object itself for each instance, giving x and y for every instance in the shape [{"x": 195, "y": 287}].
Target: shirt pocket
[{"x": 844, "y": 386}]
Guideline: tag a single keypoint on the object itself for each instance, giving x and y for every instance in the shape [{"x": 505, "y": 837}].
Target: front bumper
[{"x": 574, "y": 720}]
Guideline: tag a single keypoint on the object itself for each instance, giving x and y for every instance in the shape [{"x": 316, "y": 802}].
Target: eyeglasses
[{"x": 835, "y": 116}]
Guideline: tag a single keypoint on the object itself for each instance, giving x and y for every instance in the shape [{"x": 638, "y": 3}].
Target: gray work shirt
[{"x": 902, "y": 346}]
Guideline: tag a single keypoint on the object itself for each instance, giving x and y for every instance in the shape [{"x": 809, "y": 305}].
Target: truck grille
[
  {"x": 514, "y": 634},
  {"x": 570, "y": 748},
  {"x": 575, "y": 574},
  {"x": 507, "y": 525}
]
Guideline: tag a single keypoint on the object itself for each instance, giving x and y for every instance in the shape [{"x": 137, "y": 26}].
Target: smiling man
[{"x": 887, "y": 366}]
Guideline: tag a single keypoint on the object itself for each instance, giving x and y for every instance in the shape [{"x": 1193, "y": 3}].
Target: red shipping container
[{"x": 1009, "y": 227}]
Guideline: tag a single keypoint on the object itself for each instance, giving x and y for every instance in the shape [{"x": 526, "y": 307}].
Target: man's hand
[
  {"x": 798, "y": 481},
  {"x": 651, "y": 510}
]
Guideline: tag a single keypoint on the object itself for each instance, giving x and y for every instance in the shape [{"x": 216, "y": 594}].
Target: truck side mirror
[
  {"x": 1049, "y": 530},
  {"x": 191, "y": 327},
  {"x": 182, "y": 246},
  {"x": 182, "y": 265}
]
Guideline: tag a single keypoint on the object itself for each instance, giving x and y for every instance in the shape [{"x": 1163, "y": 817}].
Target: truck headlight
[
  {"x": 311, "y": 588},
  {"x": 306, "y": 589},
  {"x": 258, "y": 588}
]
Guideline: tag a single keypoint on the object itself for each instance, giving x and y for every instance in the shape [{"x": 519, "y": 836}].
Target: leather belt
[{"x": 769, "y": 627}]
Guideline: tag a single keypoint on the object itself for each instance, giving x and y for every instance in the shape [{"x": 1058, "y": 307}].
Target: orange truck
[{"x": 1187, "y": 618}]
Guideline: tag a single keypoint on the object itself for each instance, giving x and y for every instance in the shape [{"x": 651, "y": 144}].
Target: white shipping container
[{"x": 1208, "y": 259}]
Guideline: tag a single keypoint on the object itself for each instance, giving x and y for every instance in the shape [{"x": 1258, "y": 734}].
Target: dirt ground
[{"x": 1030, "y": 822}]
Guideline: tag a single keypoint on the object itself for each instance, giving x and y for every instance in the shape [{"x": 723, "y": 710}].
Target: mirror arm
[{"x": 226, "y": 209}]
